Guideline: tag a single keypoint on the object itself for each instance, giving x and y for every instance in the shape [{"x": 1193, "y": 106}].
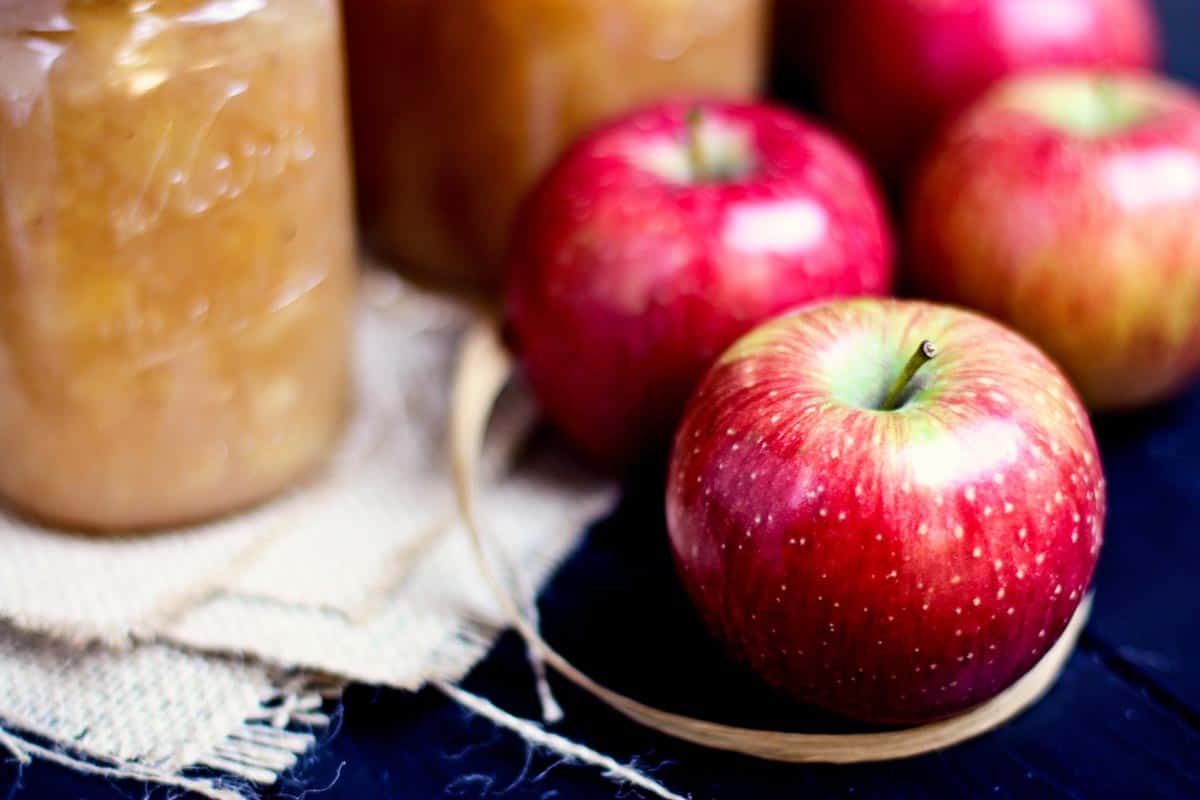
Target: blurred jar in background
[
  {"x": 176, "y": 255},
  {"x": 459, "y": 105}
]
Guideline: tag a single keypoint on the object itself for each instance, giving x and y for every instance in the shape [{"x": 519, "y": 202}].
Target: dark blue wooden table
[{"x": 1123, "y": 721}]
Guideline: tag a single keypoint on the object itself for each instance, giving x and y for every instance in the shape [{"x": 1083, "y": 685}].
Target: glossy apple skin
[
  {"x": 893, "y": 567},
  {"x": 899, "y": 69},
  {"x": 624, "y": 284},
  {"x": 1089, "y": 245}
]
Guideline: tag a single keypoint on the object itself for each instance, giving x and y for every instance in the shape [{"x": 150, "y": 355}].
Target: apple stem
[
  {"x": 697, "y": 158},
  {"x": 925, "y": 351}
]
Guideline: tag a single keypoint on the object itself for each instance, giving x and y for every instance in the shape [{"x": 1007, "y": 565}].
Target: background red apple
[
  {"x": 897, "y": 69},
  {"x": 1069, "y": 206},
  {"x": 889, "y": 565},
  {"x": 656, "y": 242}
]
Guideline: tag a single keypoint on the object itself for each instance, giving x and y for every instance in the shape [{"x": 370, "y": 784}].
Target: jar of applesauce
[
  {"x": 459, "y": 105},
  {"x": 176, "y": 255}
]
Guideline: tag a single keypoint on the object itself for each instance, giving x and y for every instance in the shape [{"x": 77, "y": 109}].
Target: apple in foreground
[
  {"x": 898, "y": 69},
  {"x": 886, "y": 535},
  {"x": 659, "y": 239},
  {"x": 1068, "y": 205}
]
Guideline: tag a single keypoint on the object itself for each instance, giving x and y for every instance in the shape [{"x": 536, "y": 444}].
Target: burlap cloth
[{"x": 167, "y": 657}]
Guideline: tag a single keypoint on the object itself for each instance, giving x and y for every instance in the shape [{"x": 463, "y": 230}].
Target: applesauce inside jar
[
  {"x": 176, "y": 256},
  {"x": 459, "y": 105}
]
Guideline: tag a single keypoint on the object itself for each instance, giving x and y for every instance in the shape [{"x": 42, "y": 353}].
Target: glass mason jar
[
  {"x": 176, "y": 255},
  {"x": 459, "y": 105}
]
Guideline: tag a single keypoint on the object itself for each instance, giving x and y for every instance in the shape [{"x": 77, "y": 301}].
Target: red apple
[
  {"x": 1068, "y": 205},
  {"x": 892, "y": 556},
  {"x": 900, "y": 68},
  {"x": 655, "y": 242}
]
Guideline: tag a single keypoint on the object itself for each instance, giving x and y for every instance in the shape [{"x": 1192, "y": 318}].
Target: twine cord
[
  {"x": 257, "y": 752},
  {"x": 483, "y": 369},
  {"x": 536, "y": 735}
]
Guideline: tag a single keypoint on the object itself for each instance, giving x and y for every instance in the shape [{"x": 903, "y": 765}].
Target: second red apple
[
  {"x": 1068, "y": 205},
  {"x": 661, "y": 238}
]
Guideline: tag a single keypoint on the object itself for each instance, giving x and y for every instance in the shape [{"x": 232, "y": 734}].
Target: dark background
[{"x": 1124, "y": 720}]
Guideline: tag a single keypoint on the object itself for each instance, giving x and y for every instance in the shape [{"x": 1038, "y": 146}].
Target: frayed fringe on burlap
[{"x": 270, "y": 742}]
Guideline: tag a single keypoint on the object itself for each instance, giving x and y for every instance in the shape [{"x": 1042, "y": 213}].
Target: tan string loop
[{"x": 483, "y": 370}]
